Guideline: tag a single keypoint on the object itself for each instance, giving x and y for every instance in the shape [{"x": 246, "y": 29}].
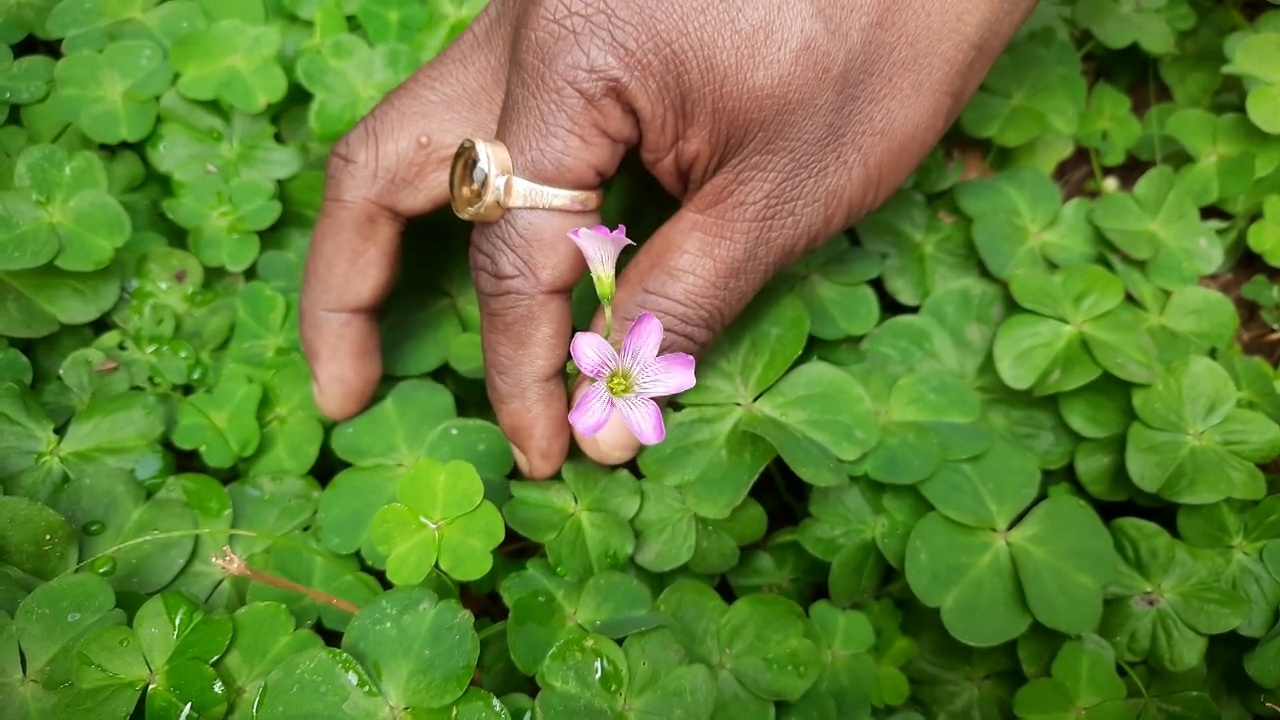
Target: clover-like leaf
[
  {"x": 1242, "y": 536},
  {"x": 1264, "y": 234},
  {"x": 224, "y": 218},
  {"x": 1020, "y": 222},
  {"x": 832, "y": 283},
  {"x": 1079, "y": 324},
  {"x": 816, "y": 416},
  {"x": 192, "y": 141},
  {"x": 348, "y": 77},
  {"x": 1230, "y": 152},
  {"x": 221, "y": 423},
  {"x": 1191, "y": 444},
  {"x": 442, "y": 518},
  {"x": 708, "y": 451},
  {"x": 264, "y": 636},
  {"x": 1033, "y": 570},
  {"x": 1034, "y": 87},
  {"x": 1118, "y": 24},
  {"x": 1082, "y": 682},
  {"x": 924, "y": 250},
  {"x": 233, "y": 61},
  {"x": 112, "y": 95},
  {"x": 546, "y": 608},
  {"x": 1165, "y": 602},
  {"x": 1108, "y": 125},
  {"x": 25, "y": 80},
  {"x": 670, "y": 534},
  {"x": 1255, "y": 58},
  {"x": 1160, "y": 223},
  {"x": 420, "y": 650},
  {"x": 584, "y": 520},
  {"x": 35, "y": 539},
  {"x": 60, "y": 209}
]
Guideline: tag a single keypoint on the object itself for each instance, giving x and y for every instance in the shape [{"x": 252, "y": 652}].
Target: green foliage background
[{"x": 997, "y": 452}]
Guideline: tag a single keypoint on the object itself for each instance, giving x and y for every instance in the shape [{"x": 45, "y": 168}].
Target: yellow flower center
[{"x": 619, "y": 383}]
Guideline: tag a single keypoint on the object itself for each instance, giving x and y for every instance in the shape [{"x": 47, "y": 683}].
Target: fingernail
[
  {"x": 614, "y": 444},
  {"x": 521, "y": 461}
]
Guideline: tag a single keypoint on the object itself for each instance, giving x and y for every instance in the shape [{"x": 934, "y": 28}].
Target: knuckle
[
  {"x": 496, "y": 270},
  {"x": 355, "y": 162}
]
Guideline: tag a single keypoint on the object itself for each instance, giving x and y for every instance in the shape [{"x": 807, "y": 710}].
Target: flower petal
[
  {"x": 643, "y": 417},
  {"x": 593, "y": 355},
  {"x": 641, "y": 344},
  {"x": 593, "y": 410},
  {"x": 666, "y": 375},
  {"x": 601, "y": 247}
]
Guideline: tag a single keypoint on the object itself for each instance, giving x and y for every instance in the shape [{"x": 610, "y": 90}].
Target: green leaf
[
  {"x": 1164, "y": 602},
  {"x": 52, "y": 620},
  {"x": 924, "y": 250},
  {"x": 233, "y": 61},
  {"x": 1034, "y": 87},
  {"x": 36, "y": 303},
  {"x": 264, "y": 637},
  {"x": 969, "y": 574},
  {"x": 1108, "y": 125},
  {"x": 1254, "y": 58},
  {"x": 420, "y": 650},
  {"x": 221, "y": 423},
  {"x": 1191, "y": 444},
  {"x": 112, "y": 95},
  {"x": 224, "y": 218},
  {"x": 35, "y": 539},
  {"x": 1020, "y": 223},
  {"x": 60, "y": 210},
  {"x": 347, "y": 77},
  {"x": 989, "y": 491},
  {"x": 191, "y": 141},
  {"x": 710, "y": 456},
  {"x": 1160, "y": 224},
  {"x": 322, "y": 682},
  {"x": 1064, "y": 559},
  {"x": 441, "y": 517},
  {"x": 816, "y": 416},
  {"x": 1153, "y": 28}
]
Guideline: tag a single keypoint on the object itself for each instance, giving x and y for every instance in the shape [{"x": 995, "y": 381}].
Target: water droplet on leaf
[
  {"x": 94, "y": 527},
  {"x": 104, "y": 566}
]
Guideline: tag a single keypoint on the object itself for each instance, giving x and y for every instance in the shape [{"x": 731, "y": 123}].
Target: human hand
[{"x": 777, "y": 123}]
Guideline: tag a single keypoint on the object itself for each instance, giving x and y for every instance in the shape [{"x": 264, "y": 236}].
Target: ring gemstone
[{"x": 469, "y": 178}]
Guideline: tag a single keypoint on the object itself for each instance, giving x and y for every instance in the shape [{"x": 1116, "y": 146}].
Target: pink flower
[
  {"x": 601, "y": 247},
  {"x": 625, "y": 382}
]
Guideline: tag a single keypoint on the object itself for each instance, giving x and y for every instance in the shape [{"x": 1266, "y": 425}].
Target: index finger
[{"x": 392, "y": 166}]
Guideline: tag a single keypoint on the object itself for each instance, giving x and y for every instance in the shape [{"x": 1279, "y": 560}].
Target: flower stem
[
  {"x": 608, "y": 320},
  {"x": 235, "y": 566}
]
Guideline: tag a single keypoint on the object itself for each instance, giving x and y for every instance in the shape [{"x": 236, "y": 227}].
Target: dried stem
[{"x": 235, "y": 566}]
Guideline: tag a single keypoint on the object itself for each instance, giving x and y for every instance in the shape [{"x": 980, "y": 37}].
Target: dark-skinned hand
[{"x": 777, "y": 123}]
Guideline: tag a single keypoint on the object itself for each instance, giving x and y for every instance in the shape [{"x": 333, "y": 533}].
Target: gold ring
[{"x": 482, "y": 186}]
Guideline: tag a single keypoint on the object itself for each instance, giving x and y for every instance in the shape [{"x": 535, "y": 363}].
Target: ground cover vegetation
[{"x": 1004, "y": 449}]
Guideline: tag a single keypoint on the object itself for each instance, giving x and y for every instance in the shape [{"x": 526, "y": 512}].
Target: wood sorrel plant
[{"x": 1005, "y": 449}]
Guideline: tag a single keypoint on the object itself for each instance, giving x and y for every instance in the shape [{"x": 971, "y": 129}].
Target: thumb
[{"x": 697, "y": 273}]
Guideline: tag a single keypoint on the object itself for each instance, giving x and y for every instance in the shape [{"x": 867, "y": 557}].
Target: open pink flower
[
  {"x": 627, "y": 381},
  {"x": 601, "y": 247}
]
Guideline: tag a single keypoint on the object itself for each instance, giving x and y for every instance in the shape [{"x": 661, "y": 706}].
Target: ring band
[{"x": 482, "y": 186}]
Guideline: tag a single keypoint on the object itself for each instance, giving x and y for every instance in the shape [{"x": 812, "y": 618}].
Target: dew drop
[
  {"x": 104, "y": 566},
  {"x": 72, "y": 617},
  {"x": 94, "y": 527}
]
